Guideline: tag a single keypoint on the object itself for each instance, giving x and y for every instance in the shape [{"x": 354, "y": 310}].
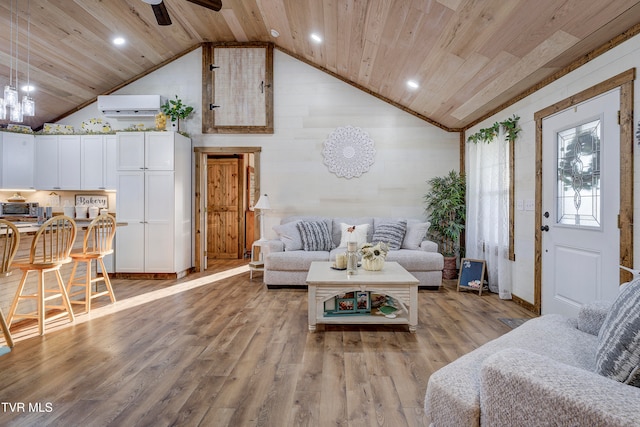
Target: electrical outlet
[{"x": 529, "y": 205}]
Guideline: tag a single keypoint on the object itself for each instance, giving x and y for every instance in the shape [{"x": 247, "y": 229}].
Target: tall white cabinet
[{"x": 154, "y": 199}]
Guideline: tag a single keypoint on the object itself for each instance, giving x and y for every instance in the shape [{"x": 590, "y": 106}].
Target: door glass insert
[{"x": 578, "y": 197}]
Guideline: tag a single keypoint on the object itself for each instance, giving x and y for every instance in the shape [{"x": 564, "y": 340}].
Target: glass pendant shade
[
  {"x": 16, "y": 113},
  {"x": 3, "y": 110},
  {"x": 28, "y": 106},
  {"x": 10, "y": 96}
]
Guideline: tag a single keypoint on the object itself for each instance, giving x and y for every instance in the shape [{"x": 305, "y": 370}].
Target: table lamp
[{"x": 262, "y": 205}]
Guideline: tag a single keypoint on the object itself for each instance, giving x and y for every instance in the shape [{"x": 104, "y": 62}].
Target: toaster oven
[{"x": 21, "y": 209}]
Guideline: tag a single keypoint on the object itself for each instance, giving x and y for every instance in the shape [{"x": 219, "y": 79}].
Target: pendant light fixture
[
  {"x": 10, "y": 92},
  {"x": 28, "y": 104}
]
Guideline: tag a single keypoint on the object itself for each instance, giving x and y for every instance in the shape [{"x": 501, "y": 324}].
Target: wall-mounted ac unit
[{"x": 129, "y": 106}]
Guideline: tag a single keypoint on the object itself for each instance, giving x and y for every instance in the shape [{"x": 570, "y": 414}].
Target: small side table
[{"x": 256, "y": 264}]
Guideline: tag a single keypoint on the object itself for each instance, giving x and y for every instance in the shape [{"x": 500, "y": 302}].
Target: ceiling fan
[{"x": 162, "y": 15}]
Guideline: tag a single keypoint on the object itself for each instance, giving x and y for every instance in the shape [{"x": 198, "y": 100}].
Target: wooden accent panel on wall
[{"x": 237, "y": 88}]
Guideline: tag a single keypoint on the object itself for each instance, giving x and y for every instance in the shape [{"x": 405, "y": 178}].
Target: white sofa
[
  {"x": 287, "y": 264},
  {"x": 551, "y": 371}
]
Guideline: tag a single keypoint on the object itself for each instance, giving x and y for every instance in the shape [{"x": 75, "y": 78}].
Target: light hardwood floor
[{"x": 232, "y": 353}]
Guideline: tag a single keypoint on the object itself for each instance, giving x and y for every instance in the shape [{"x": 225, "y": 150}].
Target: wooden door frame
[
  {"x": 200, "y": 216},
  {"x": 624, "y": 81}
]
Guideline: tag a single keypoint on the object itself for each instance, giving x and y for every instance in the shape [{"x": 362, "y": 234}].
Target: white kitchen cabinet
[
  {"x": 154, "y": 201},
  {"x": 58, "y": 162},
  {"x": 145, "y": 151},
  {"x": 98, "y": 169},
  {"x": 18, "y": 154}
]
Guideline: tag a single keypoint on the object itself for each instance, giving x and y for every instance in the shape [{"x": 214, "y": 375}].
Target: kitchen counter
[{"x": 32, "y": 227}]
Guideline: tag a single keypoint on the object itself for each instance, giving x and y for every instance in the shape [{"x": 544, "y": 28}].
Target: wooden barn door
[{"x": 224, "y": 208}]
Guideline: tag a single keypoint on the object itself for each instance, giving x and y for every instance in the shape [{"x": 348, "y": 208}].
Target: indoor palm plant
[{"x": 446, "y": 210}]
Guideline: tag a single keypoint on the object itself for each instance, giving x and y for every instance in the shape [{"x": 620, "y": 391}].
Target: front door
[
  {"x": 224, "y": 210},
  {"x": 580, "y": 205}
]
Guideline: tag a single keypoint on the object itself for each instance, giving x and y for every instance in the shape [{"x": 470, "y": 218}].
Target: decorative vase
[
  {"x": 173, "y": 125},
  {"x": 352, "y": 259},
  {"x": 375, "y": 264}
]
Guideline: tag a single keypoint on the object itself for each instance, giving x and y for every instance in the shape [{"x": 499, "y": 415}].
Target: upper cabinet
[
  {"x": 237, "y": 88},
  {"x": 98, "y": 162},
  {"x": 145, "y": 151},
  {"x": 18, "y": 153}
]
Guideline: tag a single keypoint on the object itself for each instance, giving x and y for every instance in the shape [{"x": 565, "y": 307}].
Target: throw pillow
[
  {"x": 290, "y": 236},
  {"x": 618, "y": 351},
  {"x": 416, "y": 231},
  {"x": 391, "y": 233},
  {"x": 315, "y": 235},
  {"x": 359, "y": 234}
]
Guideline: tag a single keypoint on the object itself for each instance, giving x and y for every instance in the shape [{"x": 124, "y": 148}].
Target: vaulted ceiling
[{"x": 468, "y": 56}]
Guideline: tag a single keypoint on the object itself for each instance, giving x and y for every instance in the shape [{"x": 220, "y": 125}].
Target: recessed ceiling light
[
  {"x": 28, "y": 88},
  {"x": 275, "y": 33},
  {"x": 119, "y": 41},
  {"x": 412, "y": 84},
  {"x": 316, "y": 38}
]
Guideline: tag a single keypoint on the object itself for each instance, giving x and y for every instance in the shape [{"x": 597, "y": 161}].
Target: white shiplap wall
[
  {"x": 308, "y": 106},
  {"x": 617, "y": 60}
]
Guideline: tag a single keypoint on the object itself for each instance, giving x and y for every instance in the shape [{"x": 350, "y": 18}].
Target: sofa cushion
[
  {"x": 293, "y": 260},
  {"x": 315, "y": 235},
  {"x": 290, "y": 235},
  {"x": 391, "y": 233},
  {"x": 413, "y": 260},
  {"x": 618, "y": 350},
  {"x": 359, "y": 234},
  {"x": 336, "y": 230},
  {"x": 416, "y": 232}
]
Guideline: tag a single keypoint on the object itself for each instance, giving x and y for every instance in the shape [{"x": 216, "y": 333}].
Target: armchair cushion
[
  {"x": 519, "y": 387},
  {"x": 591, "y": 316},
  {"x": 618, "y": 350}
]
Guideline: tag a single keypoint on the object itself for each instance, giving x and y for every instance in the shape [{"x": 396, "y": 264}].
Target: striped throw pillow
[
  {"x": 315, "y": 236},
  {"x": 618, "y": 351},
  {"x": 391, "y": 233}
]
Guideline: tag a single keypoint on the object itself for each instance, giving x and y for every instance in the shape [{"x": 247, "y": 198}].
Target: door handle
[{"x": 544, "y": 228}]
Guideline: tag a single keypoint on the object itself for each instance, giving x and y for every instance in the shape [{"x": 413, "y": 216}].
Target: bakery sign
[{"x": 92, "y": 200}]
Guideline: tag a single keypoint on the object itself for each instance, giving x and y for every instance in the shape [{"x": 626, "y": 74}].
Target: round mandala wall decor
[{"x": 348, "y": 152}]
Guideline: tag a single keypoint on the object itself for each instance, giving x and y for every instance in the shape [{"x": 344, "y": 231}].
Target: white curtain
[{"x": 487, "y": 233}]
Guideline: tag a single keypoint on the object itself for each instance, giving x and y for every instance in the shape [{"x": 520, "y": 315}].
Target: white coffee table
[{"x": 325, "y": 283}]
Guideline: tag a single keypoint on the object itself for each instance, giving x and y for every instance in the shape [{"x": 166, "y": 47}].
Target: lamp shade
[{"x": 263, "y": 203}]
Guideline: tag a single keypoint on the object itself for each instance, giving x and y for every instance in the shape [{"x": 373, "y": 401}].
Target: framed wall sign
[{"x": 92, "y": 200}]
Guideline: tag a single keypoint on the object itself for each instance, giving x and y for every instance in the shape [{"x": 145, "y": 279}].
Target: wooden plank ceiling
[{"x": 468, "y": 56}]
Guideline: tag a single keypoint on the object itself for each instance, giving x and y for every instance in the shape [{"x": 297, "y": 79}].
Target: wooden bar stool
[
  {"x": 9, "y": 241},
  {"x": 49, "y": 251},
  {"x": 97, "y": 243}
]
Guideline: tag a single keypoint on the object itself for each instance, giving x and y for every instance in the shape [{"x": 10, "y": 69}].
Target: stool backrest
[
  {"x": 54, "y": 241},
  {"x": 9, "y": 240},
  {"x": 99, "y": 235}
]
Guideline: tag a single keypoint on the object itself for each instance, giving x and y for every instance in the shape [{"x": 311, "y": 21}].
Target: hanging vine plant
[{"x": 509, "y": 127}]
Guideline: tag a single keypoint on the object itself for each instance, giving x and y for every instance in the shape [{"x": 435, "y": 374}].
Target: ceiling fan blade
[
  {"x": 209, "y": 4},
  {"x": 162, "y": 15}
]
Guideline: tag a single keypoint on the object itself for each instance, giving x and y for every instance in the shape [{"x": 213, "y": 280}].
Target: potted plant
[
  {"x": 446, "y": 211},
  {"x": 176, "y": 110}
]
